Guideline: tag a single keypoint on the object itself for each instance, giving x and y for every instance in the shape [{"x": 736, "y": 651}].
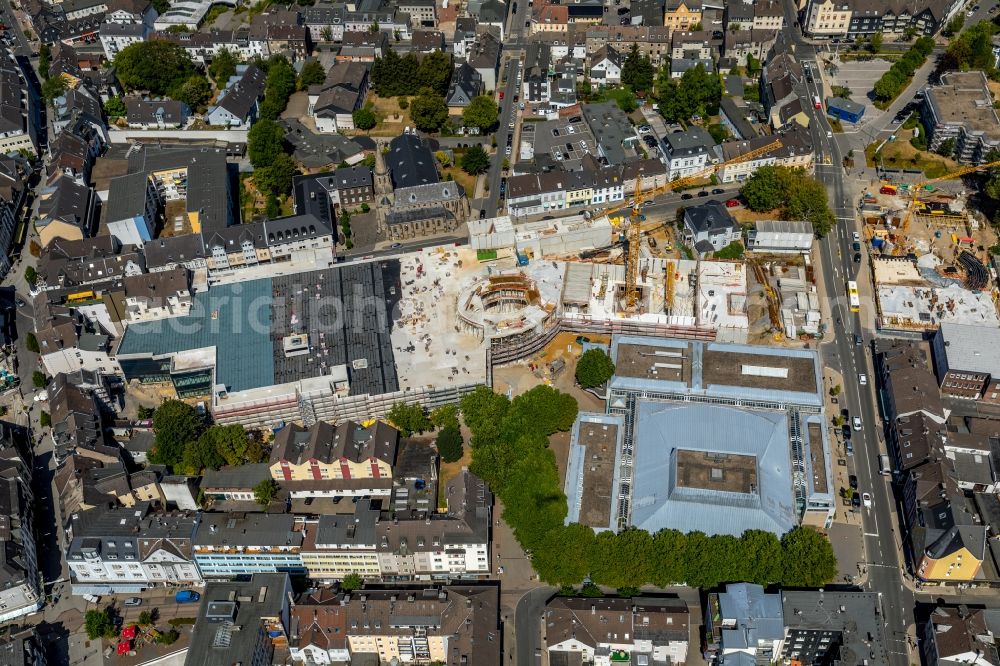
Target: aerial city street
[{"x": 499, "y": 332}]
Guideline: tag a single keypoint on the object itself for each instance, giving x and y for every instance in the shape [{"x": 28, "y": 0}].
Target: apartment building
[
  {"x": 682, "y": 14},
  {"x": 688, "y": 152},
  {"x": 69, "y": 342},
  {"x": 960, "y": 108},
  {"x": 123, "y": 550},
  {"x": 14, "y": 189},
  {"x": 324, "y": 459},
  {"x": 794, "y": 150},
  {"x": 241, "y": 622},
  {"x": 19, "y": 107},
  {"x": 451, "y": 625},
  {"x": 379, "y": 544},
  {"x": 151, "y": 296},
  {"x": 743, "y": 624},
  {"x": 589, "y": 629},
  {"x": 827, "y": 18},
  {"x": 961, "y": 635},
  {"x": 227, "y": 545},
  {"x": 966, "y": 361},
  {"x": 20, "y": 593},
  {"x": 23, "y": 648}
]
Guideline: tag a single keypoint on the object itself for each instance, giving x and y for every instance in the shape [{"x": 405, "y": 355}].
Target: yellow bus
[{"x": 853, "y": 299}]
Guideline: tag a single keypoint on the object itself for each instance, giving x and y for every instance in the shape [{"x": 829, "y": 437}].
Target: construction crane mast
[
  {"x": 915, "y": 189},
  {"x": 633, "y": 231}
]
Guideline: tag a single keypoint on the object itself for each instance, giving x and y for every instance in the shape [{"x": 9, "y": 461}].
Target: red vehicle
[
  {"x": 887, "y": 189},
  {"x": 818, "y": 104},
  {"x": 501, "y": 94},
  {"x": 732, "y": 203}
]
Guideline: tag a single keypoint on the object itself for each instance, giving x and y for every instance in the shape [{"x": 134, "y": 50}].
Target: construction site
[{"x": 929, "y": 254}]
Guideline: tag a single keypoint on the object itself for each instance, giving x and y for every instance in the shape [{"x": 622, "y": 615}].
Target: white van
[{"x": 884, "y": 466}]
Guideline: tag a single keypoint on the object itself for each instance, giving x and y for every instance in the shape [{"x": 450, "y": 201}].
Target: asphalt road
[
  {"x": 7, "y": 16},
  {"x": 527, "y": 623},
  {"x": 512, "y": 46},
  {"x": 881, "y": 554}
]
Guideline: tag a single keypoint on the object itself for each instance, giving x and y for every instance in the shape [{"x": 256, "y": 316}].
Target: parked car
[
  {"x": 856, "y": 501},
  {"x": 863, "y": 379},
  {"x": 853, "y": 481},
  {"x": 132, "y": 601},
  {"x": 703, "y": 193},
  {"x": 857, "y": 237},
  {"x": 718, "y": 190},
  {"x": 187, "y": 597},
  {"x": 732, "y": 203},
  {"x": 846, "y": 431},
  {"x": 849, "y": 445},
  {"x": 857, "y": 257},
  {"x": 686, "y": 196},
  {"x": 866, "y": 499},
  {"x": 649, "y": 141},
  {"x": 856, "y": 246},
  {"x": 858, "y": 340},
  {"x": 856, "y": 422}
]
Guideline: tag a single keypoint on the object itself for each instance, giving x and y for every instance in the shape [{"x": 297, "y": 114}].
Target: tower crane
[
  {"x": 633, "y": 230},
  {"x": 915, "y": 190}
]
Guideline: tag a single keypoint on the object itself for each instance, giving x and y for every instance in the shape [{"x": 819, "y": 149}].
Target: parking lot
[{"x": 860, "y": 77}]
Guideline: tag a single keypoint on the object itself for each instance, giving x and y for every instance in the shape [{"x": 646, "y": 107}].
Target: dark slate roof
[
  {"x": 410, "y": 162},
  {"x": 709, "y": 217}
]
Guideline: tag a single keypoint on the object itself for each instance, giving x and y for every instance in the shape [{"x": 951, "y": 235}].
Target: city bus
[{"x": 853, "y": 300}]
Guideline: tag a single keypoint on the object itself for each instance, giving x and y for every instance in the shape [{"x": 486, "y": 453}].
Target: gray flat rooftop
[
  {"x": 728, "y": 372},
  {"x": 706, "y": 470},
  {"x": 751, "y": 370},
  {"x": 345, "y": 310},
  {"x": 600, "y": 441},
  {"x": 592, "y": 476},
  {"x": 654, "y": 362}
]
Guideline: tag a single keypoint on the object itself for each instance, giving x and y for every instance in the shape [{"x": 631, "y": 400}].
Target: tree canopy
[
  {"x": 312, "y": 74},
  {"x": 280, "y": 84},
  {"x": 972, "y": 50},
  {"x": 158, "y": 66},
  {"x": 897, "y": 77},
  {"x": 223, "y": 67},
  {"x": 793, "y": 192},
  {"x": 475, "y": 160},
  {"x": 195, "y": 92},
  {"x": 428, "y": 111},
  {"x": 265, "y": 492},
  {"x": 408, "y": 419},
  {"x": 351, "y": 582},
  {"x": 392, "y": 75},
  {"x": 637, "y": 70},
  {"x": 449, "y": 444},
  {"x": 265, "y": 142},
  {"x": 115, "y": 106},
  {"x": 98, "y": 624},
  {"x": 482, "y": 113},
  {"x": 364, "y": 119},
  {"x": 594, "y": 368},
  {"x": 175, "y": 424},
  {"x": 697, "y": 92},
  {"x": 277, "y": 177}
]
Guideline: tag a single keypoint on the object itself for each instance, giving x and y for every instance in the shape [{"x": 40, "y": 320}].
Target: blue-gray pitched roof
[{"x": 660, "y": 500}]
